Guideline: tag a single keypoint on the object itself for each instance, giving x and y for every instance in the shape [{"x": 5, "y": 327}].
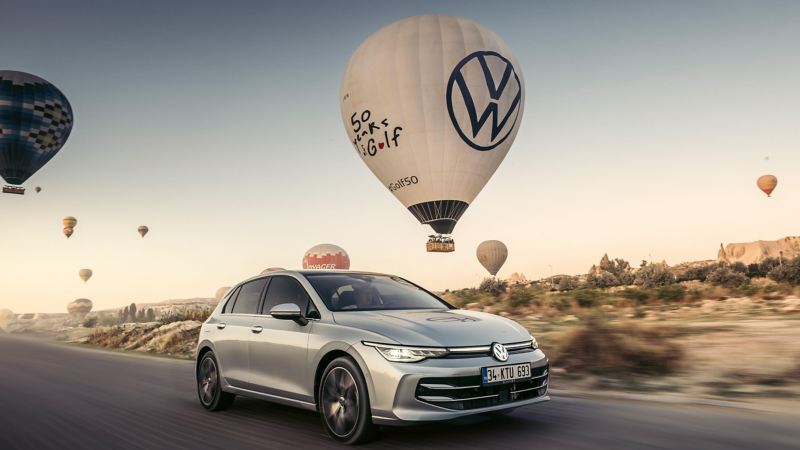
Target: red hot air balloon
[{"x": 326, "y": 256}]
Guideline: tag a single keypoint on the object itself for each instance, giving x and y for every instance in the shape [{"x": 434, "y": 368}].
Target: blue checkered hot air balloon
[{"x": 35, "y": 122}]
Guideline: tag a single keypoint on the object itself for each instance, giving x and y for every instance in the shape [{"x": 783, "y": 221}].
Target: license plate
[{"x": 505, "y": 374}]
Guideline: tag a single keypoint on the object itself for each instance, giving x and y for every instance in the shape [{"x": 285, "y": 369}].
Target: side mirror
[{"x": 288, "y": 311}]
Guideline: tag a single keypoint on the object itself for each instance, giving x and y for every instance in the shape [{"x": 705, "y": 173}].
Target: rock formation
[{"x": 755, "y": 252}]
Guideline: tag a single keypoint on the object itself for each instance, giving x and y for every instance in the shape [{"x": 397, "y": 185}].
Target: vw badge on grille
[{"x": 499, "y": 352}]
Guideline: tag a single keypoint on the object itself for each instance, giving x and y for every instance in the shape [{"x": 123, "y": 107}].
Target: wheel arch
[{"x": 334, "y": 353}]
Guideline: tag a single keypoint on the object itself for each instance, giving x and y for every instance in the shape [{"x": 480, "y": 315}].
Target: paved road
[{"x": 65, "y": 397}]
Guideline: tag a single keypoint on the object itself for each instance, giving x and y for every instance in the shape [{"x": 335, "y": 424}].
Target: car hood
[{"x": 447, "y": 328}]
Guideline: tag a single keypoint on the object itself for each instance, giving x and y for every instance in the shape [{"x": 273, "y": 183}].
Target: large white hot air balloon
[
  {"x": 492, "y": 255},
  {"x": 432, "y": 105}
]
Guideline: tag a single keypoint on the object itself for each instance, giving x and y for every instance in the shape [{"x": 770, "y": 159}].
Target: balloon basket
[
  {"x": 14, "y": 190},
  {"x": 440, "y": 244}
]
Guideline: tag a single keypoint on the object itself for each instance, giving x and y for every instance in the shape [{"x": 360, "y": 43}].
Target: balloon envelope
[
  {"x": 68, "y": 231},
  {"x": 432, "y": 105},
  {"x": 35, "y": 119},
  {"x": 37, "y": 189},
  {"x": 69, "y": 222},
  {"x": 326, "y": 256},
  {"x": 143, "y": 230},
  {"x": 492, "y": 255},
  {"x": 85, "y": 274},
  {"x": 767, "y": 183},
  {"x": 80, "y": 307}
]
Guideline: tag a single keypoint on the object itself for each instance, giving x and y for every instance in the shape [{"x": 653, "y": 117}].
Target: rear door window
[{"x": 249, "y": 297}]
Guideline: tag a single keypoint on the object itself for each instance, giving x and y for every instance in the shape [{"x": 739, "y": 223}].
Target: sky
[{"x": 217, "y": 124}]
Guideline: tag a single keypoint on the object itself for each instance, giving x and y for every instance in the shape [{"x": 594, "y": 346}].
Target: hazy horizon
[{"x": 218, "y": 126}]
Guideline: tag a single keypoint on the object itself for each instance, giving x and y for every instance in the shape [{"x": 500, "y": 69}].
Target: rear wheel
[
  {"x": 344, "y": 403},
  {"x": 209, "y": 385}
]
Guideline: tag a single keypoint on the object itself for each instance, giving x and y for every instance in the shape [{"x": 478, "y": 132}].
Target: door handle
[
  {"x": 221, "y": 326},
  {"x": 256, "y": 329}
]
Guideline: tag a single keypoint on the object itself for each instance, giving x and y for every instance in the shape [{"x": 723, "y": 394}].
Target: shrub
[
  {"x": 653, "y": 275},
  {"x": 788, "y": 272},
  {"x": 587, "y": 298},
  {"x": 637, "y": 295},
  {"x": 601, "y": 279},
  {"x": 567, "y": 283},
  {"x": 726, "y": 276},
  {"x": 184, "y": 314},
  {"x": 493, "y": 286},
  {"x": 90, "y": 322},
  {"x": 560, "y": 303},
  {"x": 601, "y": 348},
  {"x": 520, "y": 297},
  {"x": 698, "y": 273},
  {"x": 672, "y": 293}
]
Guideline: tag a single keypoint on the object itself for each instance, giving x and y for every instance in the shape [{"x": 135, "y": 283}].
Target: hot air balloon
[
  {"x": 6, "y": 316},
  {"x": 85, "y": 274},
  {"x": 492, "y": 255},
  {"x": 36, "y": 120},
  {"x": 432, "y": 105},
  {"x": 271, "y": 269},
  {"x": 221, "y": 292},
  {"x": 326, "y": 256},
  {"x": 767, "y": 183},
  {"x": 80, "y": 307},
  {"x": 69, "y": 225},
  {"x": 37, "y": 189},
  {"x": 143, "y": 230}
]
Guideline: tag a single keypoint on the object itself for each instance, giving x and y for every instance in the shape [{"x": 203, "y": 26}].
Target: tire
[
  {"x": 209, "y": 387},
  {"x": 343, "y": 403}
]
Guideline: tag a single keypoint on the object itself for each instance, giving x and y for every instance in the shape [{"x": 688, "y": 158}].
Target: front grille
[{"x": 462, "y": 393}]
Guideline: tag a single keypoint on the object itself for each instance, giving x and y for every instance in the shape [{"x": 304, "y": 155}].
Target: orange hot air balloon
[
  {"x": 143, "y": 230},
  {"x": 326, "y": 256},
  {"x": 85, "y": 274},
  {"x": 68, "y": 231},
  {"x": 767, "y": 183}
]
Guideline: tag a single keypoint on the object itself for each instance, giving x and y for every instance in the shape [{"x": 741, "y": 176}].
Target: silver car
[{"x": 363, "y": 349}]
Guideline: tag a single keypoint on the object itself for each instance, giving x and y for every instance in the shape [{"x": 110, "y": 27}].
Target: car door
[
  {"x": 278, "y": 350},
  {"x": 234, "y": 332}
]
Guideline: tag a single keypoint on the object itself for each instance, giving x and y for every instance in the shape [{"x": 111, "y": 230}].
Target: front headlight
[
  {"x": 534, "y": 344},
  {"x": 401, "y": 353}
]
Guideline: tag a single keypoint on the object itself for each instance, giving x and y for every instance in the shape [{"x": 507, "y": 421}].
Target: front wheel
[
  {"x": 344, "y": 403},
  {"x": 209, "y": 385}
]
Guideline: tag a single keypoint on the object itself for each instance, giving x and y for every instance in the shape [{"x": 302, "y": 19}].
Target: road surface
[{"x": 64, "y": 397}]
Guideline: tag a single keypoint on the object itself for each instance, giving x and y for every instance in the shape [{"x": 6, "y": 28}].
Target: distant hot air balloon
[
  {"x": 221, "y": 292},
  {"x": 6, "y": 316},
  {"x": 69, "y": 225},
  {"x": 35, "y": 119},
  {"x": 767, "y": 183},
  {"x": 143, "y": 230},
  {"x": 432, "y": 104},
  {"x": 492, "y": 255},
  {"x": 326, "y": 256},
  {"x": 85, "y": 274},
  {"x": 271, "y": 269},
  {"x": 37, "y": 189},
  {"x": 80, "y": 307}
]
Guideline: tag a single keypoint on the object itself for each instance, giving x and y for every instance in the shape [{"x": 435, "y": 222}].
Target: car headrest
[{"x": 347, "y": 298}]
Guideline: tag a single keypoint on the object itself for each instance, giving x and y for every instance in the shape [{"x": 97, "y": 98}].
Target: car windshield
[{"x": 365, "y": 292}]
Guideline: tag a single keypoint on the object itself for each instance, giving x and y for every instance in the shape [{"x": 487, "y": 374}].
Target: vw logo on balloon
[{"x": 499, "y": 93}]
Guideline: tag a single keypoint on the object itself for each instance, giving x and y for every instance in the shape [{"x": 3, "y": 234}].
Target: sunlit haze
[{"x": 217, "y": 124}]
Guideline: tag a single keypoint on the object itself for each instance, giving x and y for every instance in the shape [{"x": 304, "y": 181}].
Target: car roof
[{"x": 305, "y": 272}]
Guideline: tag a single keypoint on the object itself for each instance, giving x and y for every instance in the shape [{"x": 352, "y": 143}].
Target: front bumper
[{"x": 396, "y": 396}]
